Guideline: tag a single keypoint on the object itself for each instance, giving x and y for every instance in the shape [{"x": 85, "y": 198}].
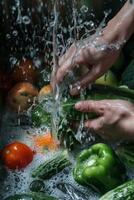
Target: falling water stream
[{"x": 33, "y": 30}]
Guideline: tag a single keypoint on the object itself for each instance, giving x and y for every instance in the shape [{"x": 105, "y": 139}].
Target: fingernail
[{"x": 78, "y": 105}]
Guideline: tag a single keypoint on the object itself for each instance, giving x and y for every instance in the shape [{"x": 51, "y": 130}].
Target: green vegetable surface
[
  {"x": 126, "y": 155},
  {"x": 31, "y": 196},
  {"x": 52, "y": 166},
  {"x": 122, "y": 192},
  {"x": 70, "y": 118},
  {"x": 128, "y": 76},
  {"x": 40, "y": 117},
  {"x": 98, "y": 167},
  {"x": 37, "y": 186}
]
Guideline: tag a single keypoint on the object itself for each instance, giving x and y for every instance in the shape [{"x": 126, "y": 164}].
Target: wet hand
[
  {"x": 115, "y": 118},
  {"x": 97, "y": 54}
]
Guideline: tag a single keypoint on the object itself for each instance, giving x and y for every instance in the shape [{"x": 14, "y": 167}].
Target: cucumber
[
  {"x": 31, "y": 196},
  {"x": 122, "y": 192},
  {"x": 37, "y": 186},
  {"x": 52, "y": 166}
]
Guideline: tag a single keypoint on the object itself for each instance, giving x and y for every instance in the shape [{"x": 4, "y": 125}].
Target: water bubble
[
  {"x": 91, "y": 24},
  {"x": 8, "y": 36},
  {"x": 13, "y": 8},
  {"x": 17, "y": 2},
  {"x": 26, "y": 20},
  {"x": 13, "y": 60},
  {"x": 15, "y": 33},
  {"x": 51, "y": 24},
  {"x": 84, "y": 9}
]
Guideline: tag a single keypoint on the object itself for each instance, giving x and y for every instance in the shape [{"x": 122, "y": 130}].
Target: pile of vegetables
[{"x": 98, "y": 166}]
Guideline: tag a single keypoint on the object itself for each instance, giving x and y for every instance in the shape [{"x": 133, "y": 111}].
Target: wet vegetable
[
  {"x": 107, "y": 79},
  {"x": 40, "y": 117},
  {"x": 66, "y": 133},
  {"x": 126, "y": 154},
  {"x": 68, "y": 116},
  {"x": 52, "y": 166},
  {"x": 98, "y": 167},
  {"x": 127, "y": 76},
  {"x": 17, "y": 155},
  {"x": 46, "y": 141},
  {"x": 37, "y": 186},
  {"x": 46, "y": 90},
  {"x": 25, "y": 71},
  {"x": 21, "y": 96},
  {"x": 31, "y": 196},
  {"x": 119, "y": 64},
  {"x": 122, "y": 192},
  {"x": 71, "y": 191}
]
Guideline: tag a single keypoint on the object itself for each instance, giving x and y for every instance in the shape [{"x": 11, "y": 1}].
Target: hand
[
  {"x": 115, "y": 118},
  {"x": 97, "y": 55}
]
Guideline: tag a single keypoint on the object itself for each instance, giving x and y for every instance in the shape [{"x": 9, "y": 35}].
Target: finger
[
  {"x": 71, "y": 51},
  {"x": 64, "y": 70},
  {"x": 70, "y": 60},
  {"x": 95, "y": 125},
  {"x": 87, "y": 79},
  {"x": 90, "y": 106},
  {"x": 66, "y": 63}
]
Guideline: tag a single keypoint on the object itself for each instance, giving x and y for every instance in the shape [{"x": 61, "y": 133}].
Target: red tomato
[{"x": 17, "y": 155}]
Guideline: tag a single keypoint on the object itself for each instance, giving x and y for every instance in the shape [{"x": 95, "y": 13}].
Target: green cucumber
[
  {"x": 37, "y": 186},
  {"x": 52, "y": 166},
  {"x": 122, "y": 192},
  {"x": 31, "y": 196}
]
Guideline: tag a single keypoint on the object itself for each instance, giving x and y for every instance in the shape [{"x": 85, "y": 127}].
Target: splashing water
[{"x": 48, "y": 28}]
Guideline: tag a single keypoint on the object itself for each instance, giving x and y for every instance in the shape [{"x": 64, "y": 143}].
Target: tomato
[
  {"x": 17, "y": 155},
  {"x": 21, "y": 96},
  {"x": 25, "y": 71}
]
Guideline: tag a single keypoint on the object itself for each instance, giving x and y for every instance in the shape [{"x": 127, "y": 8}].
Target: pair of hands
[{"x": 98, "y": 54}]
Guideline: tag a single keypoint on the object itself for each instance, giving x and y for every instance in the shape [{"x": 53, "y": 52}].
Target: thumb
[{"x": 85, "y": 80}]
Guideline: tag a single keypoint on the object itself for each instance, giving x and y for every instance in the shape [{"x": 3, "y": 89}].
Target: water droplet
[
  {"x": 26, "y": 20},
  {"x": 15, "y": 33},
  {"x": 8, "y": 36},
  {"x": 12, "y": 60},
  {"x": 84, "y": 9},
  {"x": 51, "y": 24}
]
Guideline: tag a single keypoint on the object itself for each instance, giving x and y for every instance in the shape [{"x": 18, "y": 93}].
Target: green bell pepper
[{"x": 98, "y": 167}]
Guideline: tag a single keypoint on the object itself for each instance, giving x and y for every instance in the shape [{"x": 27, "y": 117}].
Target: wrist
[{"x": 120, "y": 28}]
